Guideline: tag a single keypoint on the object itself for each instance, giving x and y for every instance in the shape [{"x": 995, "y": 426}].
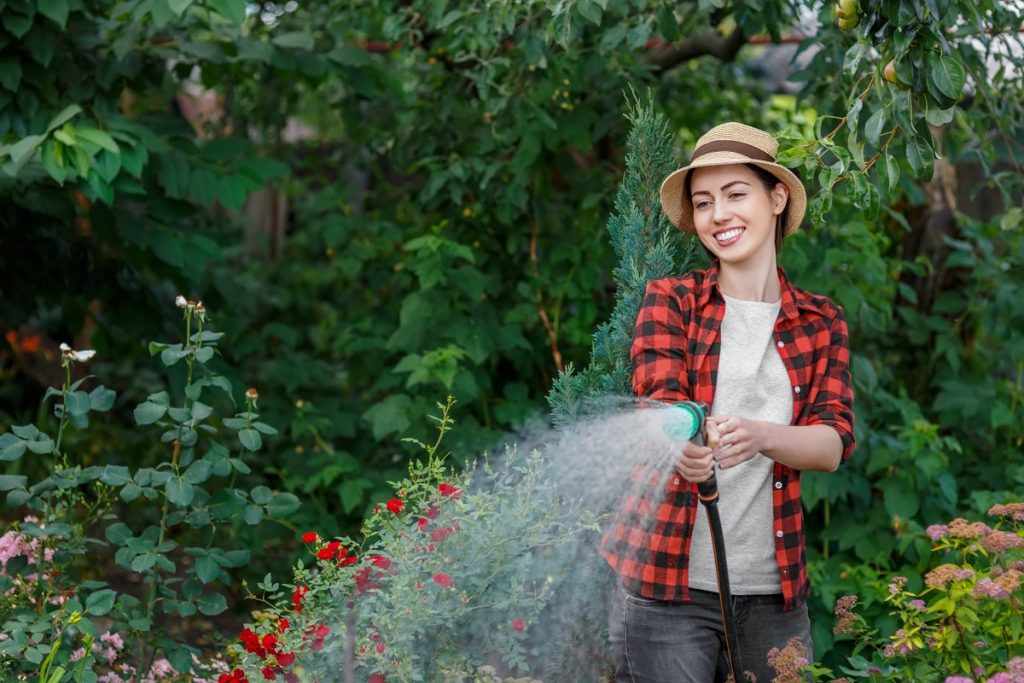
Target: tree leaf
[
  {"x": 54, "y": 10},
  {"x": 212, "y": 604},
  {"x": 65, "y": 115},
  {"x": 947, "y": 74},
  {"x": 232, "y": 10},
  {"x": 97, "y": 137},
  {"x": 294, "y": 39}
]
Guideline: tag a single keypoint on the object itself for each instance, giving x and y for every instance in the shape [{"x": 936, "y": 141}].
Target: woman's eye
[
  {"x": 737, "y": 195},
  {"x": 702, "y": 204}
]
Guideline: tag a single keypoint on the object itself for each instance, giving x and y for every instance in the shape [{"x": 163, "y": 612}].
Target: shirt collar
[{"x": 793, "y": 298}]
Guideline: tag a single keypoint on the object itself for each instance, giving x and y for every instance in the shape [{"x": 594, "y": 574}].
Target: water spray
[{"x": 687, "y": 424}]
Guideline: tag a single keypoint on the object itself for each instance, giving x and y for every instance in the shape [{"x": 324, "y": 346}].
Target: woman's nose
[{"x": 721, "y": 212}]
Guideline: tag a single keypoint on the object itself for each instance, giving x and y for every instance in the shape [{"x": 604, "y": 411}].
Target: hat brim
[{"x": 679, "y": 209}]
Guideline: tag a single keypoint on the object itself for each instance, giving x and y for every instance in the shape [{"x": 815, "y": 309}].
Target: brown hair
[{"x": 768, "y": 181}]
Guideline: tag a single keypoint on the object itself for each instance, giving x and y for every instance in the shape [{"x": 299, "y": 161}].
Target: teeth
[{"x": 728, "y": 234}]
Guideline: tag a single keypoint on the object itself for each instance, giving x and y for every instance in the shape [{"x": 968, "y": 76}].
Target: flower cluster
[{"x": 790, "y": 662}]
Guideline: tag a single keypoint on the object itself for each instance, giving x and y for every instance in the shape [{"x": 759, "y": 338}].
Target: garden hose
[{"x": 692, "y": 428}]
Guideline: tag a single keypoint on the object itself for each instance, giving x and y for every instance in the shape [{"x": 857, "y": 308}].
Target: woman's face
[{"x": 733, "y": 213}]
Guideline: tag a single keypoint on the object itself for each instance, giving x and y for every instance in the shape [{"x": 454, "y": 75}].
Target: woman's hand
[
  {"x": 740, "y": 439},
  {"x": 696, "y": 463}
]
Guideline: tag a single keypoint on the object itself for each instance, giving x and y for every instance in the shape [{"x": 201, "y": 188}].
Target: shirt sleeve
[
  {"x": 833, "y": 402},
  {"x": 657, "y": 355}
]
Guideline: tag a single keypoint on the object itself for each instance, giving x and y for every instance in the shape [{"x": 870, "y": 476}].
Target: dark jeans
[{"x": 683, "y": 642}]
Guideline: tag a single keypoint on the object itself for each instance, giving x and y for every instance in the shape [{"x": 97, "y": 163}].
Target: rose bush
[{"x": 448, "y": 582}]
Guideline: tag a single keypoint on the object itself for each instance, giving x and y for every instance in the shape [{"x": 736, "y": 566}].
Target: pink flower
[
  {"x": 518, "y": 625},
  {"x": 443, "y": 580},
  {"x": 937, "y": 531}
]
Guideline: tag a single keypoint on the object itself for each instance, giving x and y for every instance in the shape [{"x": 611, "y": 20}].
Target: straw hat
[{"x": 731, "y": 143}]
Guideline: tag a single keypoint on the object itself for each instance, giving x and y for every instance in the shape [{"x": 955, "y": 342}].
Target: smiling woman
[{"x": 772, "y": 361}]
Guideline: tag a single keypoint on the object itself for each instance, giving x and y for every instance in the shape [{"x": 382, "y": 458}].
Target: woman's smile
[{"x": 729, "y": 236}]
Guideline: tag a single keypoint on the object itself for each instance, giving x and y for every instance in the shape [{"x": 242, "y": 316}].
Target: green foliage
[
  {"x": 172, "y": 540},
  {"x": 449, "y": 576}
]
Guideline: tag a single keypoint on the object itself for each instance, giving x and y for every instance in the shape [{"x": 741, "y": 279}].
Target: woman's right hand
[{"x": 696, "y": 463}]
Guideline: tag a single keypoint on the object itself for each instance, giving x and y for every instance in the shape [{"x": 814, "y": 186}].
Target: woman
[{"x": 772, "y": 361}]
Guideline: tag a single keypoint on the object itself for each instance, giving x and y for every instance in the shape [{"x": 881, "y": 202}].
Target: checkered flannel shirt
[{"x": 675, "y": 356}]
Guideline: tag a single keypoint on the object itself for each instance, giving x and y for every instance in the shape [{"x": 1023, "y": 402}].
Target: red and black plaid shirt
[{"x": 675, "y": 357}]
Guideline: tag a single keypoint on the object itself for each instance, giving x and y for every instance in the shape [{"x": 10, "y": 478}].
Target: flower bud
[
  {"x": 251, "y": 394},
  {"x": 180, "y": 301}
]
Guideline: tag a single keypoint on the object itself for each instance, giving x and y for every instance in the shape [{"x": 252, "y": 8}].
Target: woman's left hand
[{"x": 740, "y": 439}]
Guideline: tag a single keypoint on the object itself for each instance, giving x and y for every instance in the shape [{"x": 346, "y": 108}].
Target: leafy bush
[{"x": 61, "y": 590}]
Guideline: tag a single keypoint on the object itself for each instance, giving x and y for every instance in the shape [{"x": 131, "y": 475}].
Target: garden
[{"x": 316, "y": 322}]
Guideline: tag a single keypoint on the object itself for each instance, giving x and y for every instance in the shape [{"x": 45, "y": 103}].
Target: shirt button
[
  {"x": 778, "y": 484},
  {"x": 778, "y": 534},
  {"x": 781, "y": 344},
  {"x": 797, "y": 390},
  {"x": 676, "y": 481}
]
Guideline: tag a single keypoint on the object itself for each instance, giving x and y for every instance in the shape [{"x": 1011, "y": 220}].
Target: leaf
[
  {"x": 27, "y": 432},
  {"x": 22, "y": 151},
  {"x": 15, "y": 23},
  {"x": 100, "y": 602},
  {"x": 77, "y": 403},
  {"x": 118, "y": 533},
  {"x": 283, "y": 504},
  {"x": 143, "y": 562},
  {"x": 10, "y": 74},
  {"x": 149, "y": 412},
  {"x": 947, "y": 74},
  {"x": 65, "y": 115},
  {"x": 130, "y": 492},
  {"x": 95, "y": 136},
  {"x": 667, "y": 24},
  {"x": 920, "y": 155},
  {"x": 179, "y": 6},
  {"x": 12, "y": 481},
  {"x": 11, "y": 447},
  {"x": 901, "y": 502},
  {"x": 18, "y": 497},
  {"x": 232, "y": 10},
  {"x": 207, "y": 569},
  {"x": 54, "y": 10},
  {"x": 101, "y": 399},
  {"x": 250, "y": 439},
  {"x": 261, "y": 495},
  {"x": 348, "y": 55},
  {"x": 198, "y": 472},
  {"x": 590, "y": 11},
  {"x": 201, "y": 411},
  {"x": 212, "y": 604},
  {"x": 253, "y": 514},
  {"x": 179, "y": 492},
  {"x": 264, "y": 428},
  {"x": 294, "y": 39},
  {"x": 890, "y": 171},
  {"x": 873, "y": 127}
]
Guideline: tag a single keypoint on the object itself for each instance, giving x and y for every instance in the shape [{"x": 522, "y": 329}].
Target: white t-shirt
[{"x": 752, "y": 383}]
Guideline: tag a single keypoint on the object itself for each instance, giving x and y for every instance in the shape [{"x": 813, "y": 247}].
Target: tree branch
[{"x": 711, "y": 43}]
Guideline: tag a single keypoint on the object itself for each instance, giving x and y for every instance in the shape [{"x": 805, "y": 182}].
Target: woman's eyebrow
[{"x": 724, "y": 187}]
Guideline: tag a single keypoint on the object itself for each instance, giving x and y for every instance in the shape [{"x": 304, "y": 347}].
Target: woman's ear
[{"x": 780, "y": 197}]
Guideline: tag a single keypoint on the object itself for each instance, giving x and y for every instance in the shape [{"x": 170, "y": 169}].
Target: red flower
[
  {"x": 285, "y": 658},
  {"x": 322, "y": 631},
  {"x": 422, "y": 523},
  {"x": 250, "y": 640},
  {"x": 449, "y": 491},
  {"x": 378, "y": 678},
  {"x": 309, "y": 537},
  {"x": 442, "y": 579},
  {"x": 270, "y": 642},
  {"x": 364, "y": 582},
  {"x": 432, "y": 512},
  {"x": 298, "y": 596},
  {"x": 380, "y": 648},
  {"x": 439, "y": 534},
  {"x": 395, "y": 505},
  {"x": 380, "y": 561},
  {"x": 344, "y": 559},
  {"x": 268, "y": 674},
  {"x": 236, "y": 676},
  {"x": 329, "y": 550},
  {"x": 317, "y": 645},
  {"x": 282, "y": 625},
  {"x": 518, "y": 625}
]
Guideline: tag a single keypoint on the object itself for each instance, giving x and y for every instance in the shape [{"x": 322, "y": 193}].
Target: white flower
[
  {"x": 180, "y": 301},
  {"x": 80, "y": 356}
]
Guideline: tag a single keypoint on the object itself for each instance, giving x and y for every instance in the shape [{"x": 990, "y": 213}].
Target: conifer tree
[{"x": 648, "y": 247}]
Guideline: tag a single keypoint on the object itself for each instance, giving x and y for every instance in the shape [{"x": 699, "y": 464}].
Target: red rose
[
  {"x": 282, "y": 625},
  {"x": 309, "y": 537},
  {"x": 442, "y": 579},
  {"x": 378, "y": 678},
  {"x": 268, "y": 674},
  {"x": 380, "y": 648},
  {"x": 317, "y": 645},
  {"x": 322, "y": 631},
  {"x": 270, "y": 642},
  {"x": 422, "y": 523},
  {"x": 395, "y": 505},
  {"x": 298, "y": 596},
  {"x": 449, "y": 491},
  {"x": 380, "y": 561},
  {"x": 329, "y": 550},
  {"x": 285, "y": 658},
  {"x": 432, "y": 512},
  {"x": 438, "y": 535},
  {"x": 518, "y": 625}
]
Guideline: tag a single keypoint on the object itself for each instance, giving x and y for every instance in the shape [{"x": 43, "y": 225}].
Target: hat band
[{"x": 731, "y": 146}]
